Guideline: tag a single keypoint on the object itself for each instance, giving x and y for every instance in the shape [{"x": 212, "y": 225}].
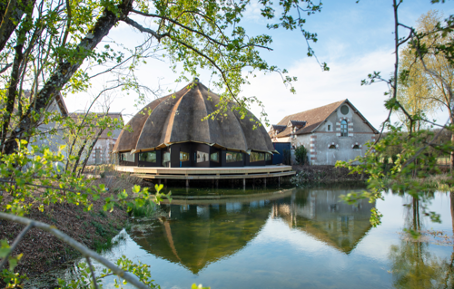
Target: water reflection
[
  {"x": 322, "y": 215},
  {"x": 293, "y": 239},
  {"x": 200, "y": 232},
  {"x": 413, "y": 265}
]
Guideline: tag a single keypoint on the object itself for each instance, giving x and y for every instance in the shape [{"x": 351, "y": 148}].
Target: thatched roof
[
  {"x": 314, "y": 118},
  {"x": 178, "y": 118}
]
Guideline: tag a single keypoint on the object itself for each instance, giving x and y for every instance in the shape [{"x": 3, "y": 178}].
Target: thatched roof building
[{"x": 174, "y": 124}]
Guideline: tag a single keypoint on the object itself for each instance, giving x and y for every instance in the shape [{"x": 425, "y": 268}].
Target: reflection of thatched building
[
  {"x": 198, "y": 235},
  {"x": 169, "y": 132},
  {"x": 322, "y": 215}
]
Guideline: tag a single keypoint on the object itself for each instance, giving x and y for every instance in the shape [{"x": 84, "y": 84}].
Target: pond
[{"x": 294, "y": 238}]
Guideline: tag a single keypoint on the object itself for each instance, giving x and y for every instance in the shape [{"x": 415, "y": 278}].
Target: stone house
[
  {"x": 337, "y": 131},
  {"x": 55, "y": 139},
  {"x": 102, "y": 150}
]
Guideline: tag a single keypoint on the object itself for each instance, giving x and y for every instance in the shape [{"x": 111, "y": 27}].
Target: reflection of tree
[{"x": 413, "y": 266}]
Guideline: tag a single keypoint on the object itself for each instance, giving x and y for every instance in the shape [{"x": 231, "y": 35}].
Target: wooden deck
[{"x": 224, "y": 173}]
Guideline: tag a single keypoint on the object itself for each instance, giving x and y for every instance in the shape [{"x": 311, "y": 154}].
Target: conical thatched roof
[{"x": 178, "y": 118}]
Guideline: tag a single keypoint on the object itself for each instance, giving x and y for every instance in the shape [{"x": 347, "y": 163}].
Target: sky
[{"x": 354, "y": 39}]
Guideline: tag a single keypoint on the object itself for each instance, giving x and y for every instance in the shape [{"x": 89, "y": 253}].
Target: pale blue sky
[{"x": 354, "y": 40}]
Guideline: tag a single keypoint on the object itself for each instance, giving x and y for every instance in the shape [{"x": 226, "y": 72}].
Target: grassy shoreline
[
  {"x": 309, "y": 175},
  {"x": 42, "y": 252}
]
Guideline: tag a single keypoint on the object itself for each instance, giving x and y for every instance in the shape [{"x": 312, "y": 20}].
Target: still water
[{"x": 294, "y": 238}]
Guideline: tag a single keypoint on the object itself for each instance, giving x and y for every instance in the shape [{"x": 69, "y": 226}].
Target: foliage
[
  {"x": 301, "y": 155},
  {"x": 85, "y": 280},
  {"x": 401, "y": 174},
  {"x": 426, "y": 77},
  {"x": 49, "y": 46},
  {"x": 147, "y": 210},
  {"x": 419, "y": 81}
]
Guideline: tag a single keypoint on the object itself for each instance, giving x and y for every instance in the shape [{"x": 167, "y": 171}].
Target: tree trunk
[
  {"x": 451, "y": 163},
  {"x": 66, "y": 70},
  {"x": 90, "y": 149}
]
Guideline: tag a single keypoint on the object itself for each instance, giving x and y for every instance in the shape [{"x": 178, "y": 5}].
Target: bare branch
[
  {"x": 413, "y": 158},
  {"x": 93, "y": 276},
  {"x": 78, "y": 246},
  {"x": 16, "y": 242},
  {"x": 141, "y": 28}
]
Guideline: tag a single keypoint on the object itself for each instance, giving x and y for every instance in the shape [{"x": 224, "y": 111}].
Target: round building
[{"x": 174, "y": 131}]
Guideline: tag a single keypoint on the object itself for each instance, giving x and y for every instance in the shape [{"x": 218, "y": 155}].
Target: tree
[
  {"x": 53, "y": 46},
  {"x": 415, "y": 162},
  {"x": 45, "y": 43},
  {"x": 427, "y": 73},
  {"x": 301, "y": 155}
]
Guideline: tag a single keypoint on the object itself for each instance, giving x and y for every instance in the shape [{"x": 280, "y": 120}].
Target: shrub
[{"x": 301, "y": 155}]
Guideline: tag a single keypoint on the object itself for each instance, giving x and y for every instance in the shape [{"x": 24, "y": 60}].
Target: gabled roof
[
  {"x": 315, "y": 117},
  {"x": 297, "y": 123},
  {"x": 113, "y": 115},
  {"x": 278, "y": 128}
]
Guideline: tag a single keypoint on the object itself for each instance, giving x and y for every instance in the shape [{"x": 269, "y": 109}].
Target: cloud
[{"x": 315, "y": 88}]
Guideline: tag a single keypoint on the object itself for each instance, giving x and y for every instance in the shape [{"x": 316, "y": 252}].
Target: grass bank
[{"x": 43, "y": 252}]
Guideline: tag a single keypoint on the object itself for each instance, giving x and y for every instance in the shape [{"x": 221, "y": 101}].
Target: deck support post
[
  {"x": 217, "y": 184},
  {"x": 244, "y": 184},
  {"x": 187, "y": 183},
  {"x": 159, "y": 181},
  {"x": 279, "y": 181},
  {"x": 264, "y": 182}
]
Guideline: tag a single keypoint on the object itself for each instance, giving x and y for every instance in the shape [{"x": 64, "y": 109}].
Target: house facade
[
  {"x": 102, "y": 150},
  {"x": 50, "y": 133},
  {"x": 331, "y": 133}
]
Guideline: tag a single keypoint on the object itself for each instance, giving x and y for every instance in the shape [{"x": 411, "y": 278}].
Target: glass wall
[
  {"x": 202, "y": 157},
  {"x": 215, "y": 157},
  {"x": 127, "y": 157},
  {"x": 231, "y": 157},
  {"x": 166, "y": 159},
  {"x": 148, "y": 157},
  {"x": 184, "y": 156},
  {"x": 267, "y": 157},
  {"x": 256, "y": 157}
]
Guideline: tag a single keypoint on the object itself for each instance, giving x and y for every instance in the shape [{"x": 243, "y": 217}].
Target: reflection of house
[
  {"x": 102, "y": 150},
  {"x": 198, "y": 235},
  {"x": 322, "y": 215},
  {"x": 179, "y": 130},
  {"x": 337, "y": 131}
]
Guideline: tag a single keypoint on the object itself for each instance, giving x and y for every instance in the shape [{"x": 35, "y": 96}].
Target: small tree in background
[{"x": 301, "y": 155}]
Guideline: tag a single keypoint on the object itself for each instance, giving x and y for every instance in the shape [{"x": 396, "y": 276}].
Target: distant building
[
  {"x": 49, "y": 134},
  {"x": 102, "y": 150},
  {"x": 337, "y": 131}
]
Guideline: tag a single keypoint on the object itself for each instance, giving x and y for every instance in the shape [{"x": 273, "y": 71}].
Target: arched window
[{"x": 344, "y": 128}]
